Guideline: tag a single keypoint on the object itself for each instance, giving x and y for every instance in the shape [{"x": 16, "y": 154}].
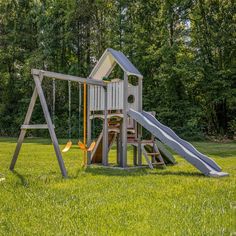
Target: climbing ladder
[{"x": 151, "y": 153}]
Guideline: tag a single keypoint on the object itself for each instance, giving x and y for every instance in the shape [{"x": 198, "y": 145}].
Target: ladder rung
[
  {"x": 37, "y": 126},
  {"x": 131, "y": 131},
  {"x": 153, "y": 154},
  {"x": 159, "y": 163},
  {"x": 116, "y": 130}
]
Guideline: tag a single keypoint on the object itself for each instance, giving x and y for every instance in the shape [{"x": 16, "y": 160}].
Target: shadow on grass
[
  {"x": 22, "y": 179},
  {"x": 139, "y": 172},
  {"x": 100, "y": 171},
  {"x": 178, "y": 173},
  {"x": 116, "y": 172}
]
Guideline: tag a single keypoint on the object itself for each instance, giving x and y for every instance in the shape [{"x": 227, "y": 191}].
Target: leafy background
[{"x": 184, "y": 48}]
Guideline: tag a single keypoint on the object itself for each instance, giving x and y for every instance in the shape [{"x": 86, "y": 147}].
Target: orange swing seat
[{"x": 83, "y": 147}]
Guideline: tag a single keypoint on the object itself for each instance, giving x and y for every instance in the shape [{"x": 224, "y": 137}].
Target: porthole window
[{"x": 131, "y": 99}]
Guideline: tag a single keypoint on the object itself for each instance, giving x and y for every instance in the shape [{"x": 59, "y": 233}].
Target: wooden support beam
[
  {"x": 50, "y": 125},
  {"x": 120, "y": 145},
  {"x": 89, "y": 140},
  {"x": 26, "y": 122},
  {"x": 105, "y": 132},
  {"x": 124, "y": 123},
  {"x": 118, "y": 148},
  {"x": 153, "y": 153},
  {"x": 60, "y": 76},
  {"x": 159, "y": 157},
  {"x": 139, "y": 127},
  {"x": 146, "y": 156},
  {"x": 135, "y": 155},
  {"x": 36, "y": 126},
  {"x": 139, "y": 145}
]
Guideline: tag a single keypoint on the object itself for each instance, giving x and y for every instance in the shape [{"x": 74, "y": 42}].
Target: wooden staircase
[{"x": 113, "y": 130}]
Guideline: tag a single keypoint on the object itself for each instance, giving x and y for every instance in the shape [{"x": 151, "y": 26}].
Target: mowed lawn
[{"x": 178, "y": 200}]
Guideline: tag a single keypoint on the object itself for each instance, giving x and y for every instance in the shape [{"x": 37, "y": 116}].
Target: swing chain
[
  {"x": 53, "y": 100},
  {"x": 80, "y": 103},
  {"x": 69, "y": 119}
]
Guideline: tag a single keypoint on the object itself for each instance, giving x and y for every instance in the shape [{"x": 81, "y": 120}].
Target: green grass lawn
[{"x": 178, "y": 200}]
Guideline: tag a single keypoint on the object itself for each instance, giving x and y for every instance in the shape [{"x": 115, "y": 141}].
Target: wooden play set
[{"x": 118, "y": 103}]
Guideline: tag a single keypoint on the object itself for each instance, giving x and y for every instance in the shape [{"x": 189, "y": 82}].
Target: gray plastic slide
[{"x": 203, "y": 163}]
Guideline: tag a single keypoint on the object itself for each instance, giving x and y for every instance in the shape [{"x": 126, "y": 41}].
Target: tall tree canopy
[{"x": 184, "y": 48}]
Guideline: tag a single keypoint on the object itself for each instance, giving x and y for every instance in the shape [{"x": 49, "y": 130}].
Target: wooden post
[
  {"x": 88, "y": 125},
  {"x": 26, "y": 122},
  {"x": 146, "y": 156},
  {"x": 85, "y": 124},
  {"x": 50, "y": 125},
  {"x": 139, "y": 145},
  {"x": 105, "y": 131},
  {"x": 124, "y": 123},
  {"x": 118, "y": 149},
  {"x": 120, "y": 144},
  {"x": 139, "y": 127},
  {"x": 134, "y": 155}
]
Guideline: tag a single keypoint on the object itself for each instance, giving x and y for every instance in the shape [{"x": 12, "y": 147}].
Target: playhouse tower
[{"x": 111, "y": 104}]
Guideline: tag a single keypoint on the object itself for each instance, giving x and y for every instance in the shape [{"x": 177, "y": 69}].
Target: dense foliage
[{"x": 184, "y": 48}]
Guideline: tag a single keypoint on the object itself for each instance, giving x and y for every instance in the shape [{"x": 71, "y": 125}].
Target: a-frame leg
[
  {"x": 39, "y": 91},
  {"x": 50, "y": 125},
  {"x": 159, "y": 157},
  {"x": 23, "y": 131},
  {"x": 146, "y": 156}
]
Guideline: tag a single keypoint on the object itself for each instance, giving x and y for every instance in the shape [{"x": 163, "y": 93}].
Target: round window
[{"x": 131, "y": 99}]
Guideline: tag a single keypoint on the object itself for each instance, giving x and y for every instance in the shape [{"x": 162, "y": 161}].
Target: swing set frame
[{"x": 38, "y": 76}]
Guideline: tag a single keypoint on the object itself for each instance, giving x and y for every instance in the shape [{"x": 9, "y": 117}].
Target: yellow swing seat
[
  {"x": 92, "y": 146},
  {"x": 67, "y": 147}
]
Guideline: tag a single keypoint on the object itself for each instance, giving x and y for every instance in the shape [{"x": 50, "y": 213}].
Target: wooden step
[
  {"x": 113, "y": 126},
  {"x": 113, "y": 129},
  {"x": 109, "y": 116},
  {"x": 113, "y": 122},
  {"x": 153, "y": 153},
  {"x": 159, "y": 163},
  {"x": 130, "y": 131}
]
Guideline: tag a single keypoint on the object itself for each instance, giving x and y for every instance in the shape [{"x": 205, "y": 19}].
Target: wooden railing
[{"x": 114, "y": 96}]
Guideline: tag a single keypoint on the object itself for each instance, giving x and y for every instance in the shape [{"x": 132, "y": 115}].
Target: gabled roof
[{"x": 108, "y": 61}]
